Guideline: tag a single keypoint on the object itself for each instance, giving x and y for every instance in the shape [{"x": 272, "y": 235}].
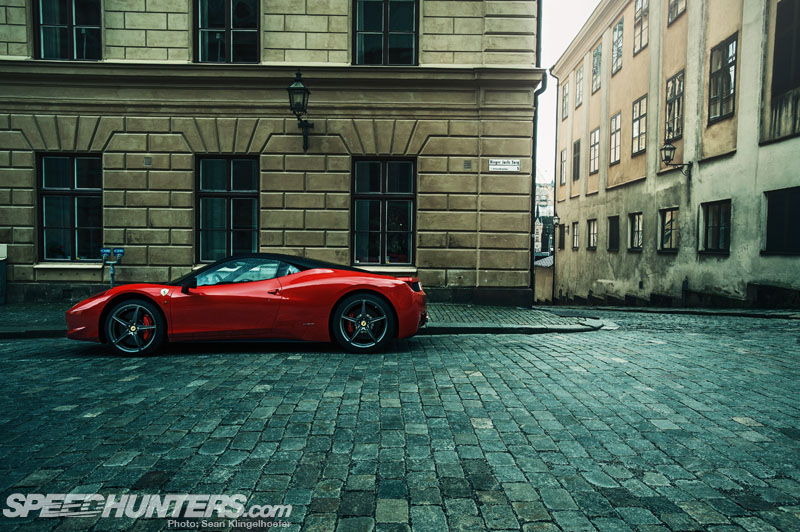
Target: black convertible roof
[{"x": 301, "y": 263}]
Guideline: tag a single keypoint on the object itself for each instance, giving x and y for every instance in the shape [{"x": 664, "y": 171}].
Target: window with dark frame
[
  {"x": 635, "y": 232},
  {"x": 675, "y": 9},
  {"x": 561, "y": 236},
  {"x": 786, "y": 56},
  {"x": 673, "y": 115},
  {"x": 576, "y": 160},
  {"x": 616, "y": 46},
  {"x": 591, "y": 233},
  {"x": 70, "y": 207},
  {"x": 385, "y": 32},
  {"x": 576, "y": 241},
  {"x": 641, "y": 25},
  {"x": 594, "y": 151},
  {"x": 68, "y": 29},
  {"x": 783, "y": 221},
  {"x": 597, "y": 61},
  {"x": 227, "y": 207},
  {"x": 722, "y": 81},
  {"x": 639, "y": 126},
  {"x": 579, "y": 86},
  {"x": 384, "y": 211},
  {"x": 717, "y": 226},
  {"x": 565, "y": 101},
  {"x": 614, "y": 139},
  {"x": 563, "y": 169},
  {"x": 669, "y": 230},
  {"x": 613, "y": 233},
  {"x": 227, "y": 31}
]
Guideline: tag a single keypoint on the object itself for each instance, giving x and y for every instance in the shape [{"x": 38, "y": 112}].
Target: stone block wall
[
  {"x": 472, "y": 225},
  {"x": 153, "y": 30},
  {"x": 452, "y": 32},
  {"x": 13, "y": 28},
  {"x": 315, "y": 31}
]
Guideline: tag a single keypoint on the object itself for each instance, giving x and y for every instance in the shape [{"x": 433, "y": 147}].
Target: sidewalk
[{"x": 25, "y": 320}]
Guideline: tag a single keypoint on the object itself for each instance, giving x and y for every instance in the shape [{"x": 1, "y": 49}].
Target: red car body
[{"x": 297, "y": 306}]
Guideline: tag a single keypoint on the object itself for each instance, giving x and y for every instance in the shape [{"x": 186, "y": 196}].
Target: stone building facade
[
  {"x": 163, "y": 127},
  {"x": 717, "y": 80}
]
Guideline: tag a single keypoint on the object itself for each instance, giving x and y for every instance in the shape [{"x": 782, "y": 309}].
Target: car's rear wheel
[
  {"x": 135, "y": 327},
  {"x": 363, "y": 323}
]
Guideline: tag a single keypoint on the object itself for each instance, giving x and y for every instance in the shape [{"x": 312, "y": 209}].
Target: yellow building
[
  {"x": 718, "y": 81},
  {"x": 164, "y": 127}
]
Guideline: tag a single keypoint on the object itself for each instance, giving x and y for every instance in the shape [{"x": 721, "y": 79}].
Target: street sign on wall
[{"x": 504, "y": 165}]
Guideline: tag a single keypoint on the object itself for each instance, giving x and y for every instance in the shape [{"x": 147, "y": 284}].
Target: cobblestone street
[{"x": 660, "y": 422}]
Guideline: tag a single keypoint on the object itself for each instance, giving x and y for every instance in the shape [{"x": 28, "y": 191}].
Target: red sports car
[{"x": 253, "y": 297}]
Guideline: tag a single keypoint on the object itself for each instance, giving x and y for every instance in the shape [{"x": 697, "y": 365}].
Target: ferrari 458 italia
[{"x": 255, "y": 296}]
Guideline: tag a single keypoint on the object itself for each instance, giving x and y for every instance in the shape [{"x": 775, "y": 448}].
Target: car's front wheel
[
  {"x": 135, "y": 327},
  {"x": 363, "y": 323}
]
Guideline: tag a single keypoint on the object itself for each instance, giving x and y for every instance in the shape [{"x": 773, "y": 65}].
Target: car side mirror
[{"x": 188, "y": 285}]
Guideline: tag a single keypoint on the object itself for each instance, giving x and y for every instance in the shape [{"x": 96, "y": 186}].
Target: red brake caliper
[{"x": 147, "y": 320}]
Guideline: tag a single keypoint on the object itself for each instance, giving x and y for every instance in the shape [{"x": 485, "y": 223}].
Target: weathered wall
[{"x": 742, "y": 176}]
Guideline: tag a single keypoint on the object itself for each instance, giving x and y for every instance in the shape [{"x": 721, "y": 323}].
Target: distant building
[{"x": 720, "y": 81}]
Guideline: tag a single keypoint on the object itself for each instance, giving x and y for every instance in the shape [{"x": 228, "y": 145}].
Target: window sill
[
  {"x": 613, "y": 250},
  {"x": 634, "y": 250},
  {"x": 768, "y": 253},
  {"x": 638, "y": 153},
  {"x": 715, "y": 120},
  {"x": 667, "y": 251},
  {"x": 713, "y": 253},
  {"x": 591, "y": 248},
  {"x": 387, "y": 270},
  {"x": 68, "y": 266}
]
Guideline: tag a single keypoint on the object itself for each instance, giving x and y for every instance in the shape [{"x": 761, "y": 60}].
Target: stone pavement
[
  {"x": 667, "y": 423},
  {"x": 47, "y": 320}
]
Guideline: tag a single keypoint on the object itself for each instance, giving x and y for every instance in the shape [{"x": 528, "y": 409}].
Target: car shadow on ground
[{"x": 228, "y": 348}]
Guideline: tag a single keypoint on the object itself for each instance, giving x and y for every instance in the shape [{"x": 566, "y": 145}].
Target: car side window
[{"x": 240, "y": 271}]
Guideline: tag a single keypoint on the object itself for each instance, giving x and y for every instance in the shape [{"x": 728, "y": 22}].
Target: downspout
[
  {"x": 556, "y": 184},
  {"x": 536, "y": 94}
]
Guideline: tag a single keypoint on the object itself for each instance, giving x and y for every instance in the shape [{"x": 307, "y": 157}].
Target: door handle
[{"x": 274, "y": 291}]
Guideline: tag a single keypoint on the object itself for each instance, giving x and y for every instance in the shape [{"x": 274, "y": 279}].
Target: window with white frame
[
  {"x": 639, "y": 126},
  {"x": 591, "y": 233},
  {"x": 673, "y": 116},
  {"x": 565, "y": 101},
  {"x": 676, "y": 8},
  {"x": 594, "y": 151},
  {"x": 640, "y": 25},
  {"x": 563, "y": 170},
  {"x": 579, "y": 86},
  {"x": 615, "y": 137},
  {"x": 669, "y": 229},
  {"x": 576, "y": 160},
  {"x": 597, "y": 61},
  {"x": 576, "y": 241},
  {"x": 635, "y": 231},
  {"x": 722, "y": 82},
  {"x": 616, "y": 46}
]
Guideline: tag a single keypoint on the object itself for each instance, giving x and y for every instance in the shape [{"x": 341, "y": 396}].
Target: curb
[
  {"x": 589, "y": 325},
  {"x": 17, "y": 334},
  {"x": 787, "y": 315}
]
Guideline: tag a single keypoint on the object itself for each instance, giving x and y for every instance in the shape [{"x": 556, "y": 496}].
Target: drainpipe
[
  {"x": 536, "y": 94},
  {"x": 555, "y": 189}
]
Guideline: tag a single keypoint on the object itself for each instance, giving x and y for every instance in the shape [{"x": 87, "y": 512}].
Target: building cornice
[
  {"x": 268, "y": 76},
  {"x": 591, "y": 32}
]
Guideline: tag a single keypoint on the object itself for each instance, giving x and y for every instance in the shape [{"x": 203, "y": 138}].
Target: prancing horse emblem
[{"x": 164, "y": 291}]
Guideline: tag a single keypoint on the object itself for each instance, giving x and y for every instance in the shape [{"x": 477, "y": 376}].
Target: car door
[{"x": 238, "y": 298}]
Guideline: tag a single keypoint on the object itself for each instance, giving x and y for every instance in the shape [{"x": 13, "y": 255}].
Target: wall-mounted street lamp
[
  {"x": 298, "y": 103},
  {"x": 668, "y": 154}
]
